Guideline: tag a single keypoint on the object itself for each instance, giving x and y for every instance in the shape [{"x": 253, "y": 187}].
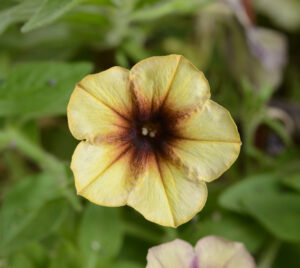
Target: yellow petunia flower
[
  {"x": 150, "y": 138},
  {"x": 210, "y": 252}
]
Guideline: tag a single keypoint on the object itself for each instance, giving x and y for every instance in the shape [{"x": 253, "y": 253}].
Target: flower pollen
[{"x": 145, "y": 131}]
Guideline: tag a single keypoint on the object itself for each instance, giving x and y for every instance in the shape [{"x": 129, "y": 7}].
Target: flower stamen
[
  {"x": 152, "y": 134},
  {"x": 149, "y": 131},
  {"x": 144, "y": 131}
]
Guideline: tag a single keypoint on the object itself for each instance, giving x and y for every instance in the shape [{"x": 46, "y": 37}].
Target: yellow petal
[
  {"x": 175, "y": 254},
  {"x": 207, "y": 142},
  {"x": 217, "y": 252},
  {"x": 168, "y": 81},
  {"x": 189, "y": 90},
  {"x": 102, "y": 174},
  {"x": 99, "y": 106},
  {"x": 111, "y": 87},
  {"x": 213, "y": 123},
  {"x": 165, "y": 195}
]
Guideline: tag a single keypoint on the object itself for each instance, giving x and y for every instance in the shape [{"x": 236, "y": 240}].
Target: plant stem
[
  {"x": 12, "y": 136},
  {"x": 137, "y": 231},
  {"x": 171, "y": 233},
  {"x": 269, "y": 254}
]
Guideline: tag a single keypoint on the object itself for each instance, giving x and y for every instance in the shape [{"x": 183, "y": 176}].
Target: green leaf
[
  {"x": 4, "y": 65},
  {"x": 126, "y": 264},
  {"x": 164, "y": 8},
  {"x": 232, "y": 228},
  {"x": 253, "y": 186},
  {"x": 20, "y": 260},
  {"x": 293, "y": 181},
  {"x": 40, "y": 88},
  {"x": 288, "y": 256},
  {"x": 280, "y": 129},
  {"x": 100, "y": 235},
  {"x": 31, "y": 130},
  {"x": 66, "y": 255},
  {"x": 279, "y": 213},
  {"x": 7, "y": 3},
  {"x": 49, "y": 11},
  {"x": 30, "y": 212},
  {"x": 37, "y": 252},
  {"x": 17, "y": 13}
]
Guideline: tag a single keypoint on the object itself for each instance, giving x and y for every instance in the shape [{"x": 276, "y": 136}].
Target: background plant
[{"x": 47, "y": 46}]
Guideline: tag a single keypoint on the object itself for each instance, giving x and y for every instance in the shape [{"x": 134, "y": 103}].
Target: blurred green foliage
[{"x": 47, "y": 46}]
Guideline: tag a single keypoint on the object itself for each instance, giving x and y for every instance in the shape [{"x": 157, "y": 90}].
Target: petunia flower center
[
  {"x": 152, "y": 134},
  {"x": 150, "y": 130}
]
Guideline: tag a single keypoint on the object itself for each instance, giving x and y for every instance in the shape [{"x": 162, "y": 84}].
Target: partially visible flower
[
  {"x": 210, "y": 252},
  {"x": 268, "y": 46},
  {"x": 284, "y": 13},
  {"x": 150, "y": 138}
]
